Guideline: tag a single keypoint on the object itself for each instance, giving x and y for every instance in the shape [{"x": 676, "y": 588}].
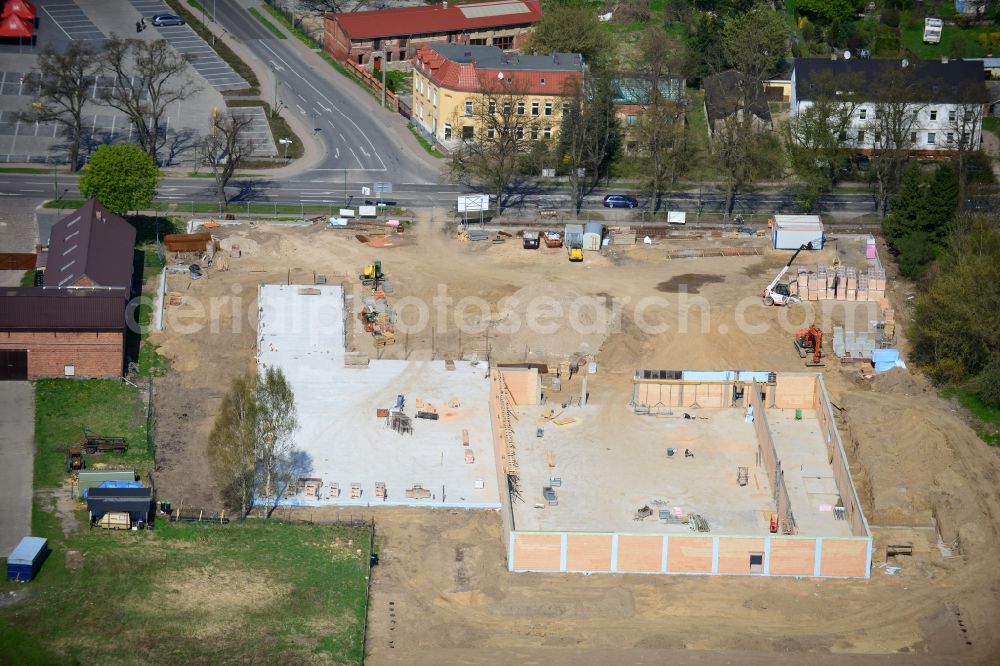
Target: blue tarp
[
  {"x": 886, "y": 359},
  {"x": 115, "y": 484}
]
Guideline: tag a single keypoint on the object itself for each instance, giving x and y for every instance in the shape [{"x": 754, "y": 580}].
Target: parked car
[
  {"x": 620, "y": 201},
  {"x": 167, "y": 19}
]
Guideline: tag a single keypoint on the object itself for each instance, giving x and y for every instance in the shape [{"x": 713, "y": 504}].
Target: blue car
[
  {"x": 620, "y": 201},
  {"x": 167, "y": 19}
]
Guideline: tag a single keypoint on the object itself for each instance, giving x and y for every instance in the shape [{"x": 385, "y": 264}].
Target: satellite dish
[
  {"x": 847, "y": 55},
  {"x": 500, "y": 75}
]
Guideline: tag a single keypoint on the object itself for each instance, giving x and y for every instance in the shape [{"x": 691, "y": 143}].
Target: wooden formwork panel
[
  {"x": 792, "y": 556},
  {"x": 639, "y": 554},
  {"x": 793, "y": 391},
  {"x": 844, "y": 557},
  {"x": 689, "y": 554},
  {"x": 588, "y": 552},
  {"x": 734, "y": 553},
  {"x": 536, "y": 552}
]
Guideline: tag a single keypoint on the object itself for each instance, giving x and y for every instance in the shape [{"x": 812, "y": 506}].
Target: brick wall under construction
[{"x": 769, "y": 555}]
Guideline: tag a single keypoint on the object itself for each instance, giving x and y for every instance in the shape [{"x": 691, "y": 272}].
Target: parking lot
[
  {"x": 205, "y": 61},
  {"x": 70, "y": 19},
  {"x": 259, "y": 131}
]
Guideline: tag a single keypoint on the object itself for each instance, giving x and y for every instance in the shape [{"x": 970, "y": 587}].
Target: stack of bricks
[
  {"x": 851, "y": 285},
  {"x": 889, "y": 317}
]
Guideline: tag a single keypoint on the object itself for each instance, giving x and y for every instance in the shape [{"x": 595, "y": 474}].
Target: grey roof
[
  {"x": 722, "y": 97},
  {"x": 91, "y": 242},
  {"x": 492, "y": 57},
  {"x": 25, "y": 551},
  {"x": 131, "y": 500},
  {"x": 36, "y": 309},
  {"x": 933, "y": 80}
]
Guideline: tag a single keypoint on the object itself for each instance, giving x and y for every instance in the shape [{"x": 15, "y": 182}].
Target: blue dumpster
[{"x": 26, "y": 559}]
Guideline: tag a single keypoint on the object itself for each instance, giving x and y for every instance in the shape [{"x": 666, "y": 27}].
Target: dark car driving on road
[
  {"x": 620, "y": 201},
  {"x": 167, "y": 19}
]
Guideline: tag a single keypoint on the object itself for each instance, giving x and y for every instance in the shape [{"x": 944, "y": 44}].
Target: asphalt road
[
  {"x": 346, "y": 123},
  {"x": 331, "y": 190}
]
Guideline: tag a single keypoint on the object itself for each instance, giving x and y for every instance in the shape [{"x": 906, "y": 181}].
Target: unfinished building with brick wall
[{"x": 701, "y": 473}]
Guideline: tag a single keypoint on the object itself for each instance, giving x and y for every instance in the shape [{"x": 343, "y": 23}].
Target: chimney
[{"x": 944, "y": 60}]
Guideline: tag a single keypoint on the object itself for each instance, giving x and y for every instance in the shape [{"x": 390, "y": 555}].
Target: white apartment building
[{"x": 947, "y": 98}]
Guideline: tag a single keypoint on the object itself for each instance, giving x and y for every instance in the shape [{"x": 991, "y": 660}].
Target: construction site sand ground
[
  {"x": 442, "y": 594},
  {"x": 611, "y": 462}
]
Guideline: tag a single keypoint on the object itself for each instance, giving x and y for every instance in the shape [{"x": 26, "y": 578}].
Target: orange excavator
[{"x": 810, "y": 341}]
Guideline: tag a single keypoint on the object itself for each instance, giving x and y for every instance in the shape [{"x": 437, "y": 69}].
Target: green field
[
  {"x": 988, "y": 418},
  {"x": 255, "y": 592},
  {"x": 956, "y": 42}
]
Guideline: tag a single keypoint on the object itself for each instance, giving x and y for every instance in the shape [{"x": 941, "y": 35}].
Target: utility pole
[{"x": 383, "y": 87}]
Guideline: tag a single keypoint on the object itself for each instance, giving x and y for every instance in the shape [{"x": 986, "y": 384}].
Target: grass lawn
[
  {"x": 992, "y": 124},
  {"x": 254, "y": 592},
  {"x": 273, "y": 29},
  {"x": 955, "y": 41},
  {"x": 988, "y": 427},
  {"x": 198, "y": 594},
  {"x": 64, "y": 407}
]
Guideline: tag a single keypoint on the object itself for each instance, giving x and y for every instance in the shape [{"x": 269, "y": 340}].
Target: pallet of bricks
[{"x": 842, "y": 283}]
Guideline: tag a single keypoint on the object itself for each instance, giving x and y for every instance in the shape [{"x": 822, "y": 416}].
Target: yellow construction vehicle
[
  {"x": 576, "y": 252},
  {"x": 372, "y": 275}
]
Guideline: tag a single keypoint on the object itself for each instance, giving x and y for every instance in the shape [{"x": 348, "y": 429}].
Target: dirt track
[{"x": 923, "y": 475}]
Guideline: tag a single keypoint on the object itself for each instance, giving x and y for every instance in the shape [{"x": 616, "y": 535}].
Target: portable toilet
[
  {"x": 593, "y": 234},
  {"x": 26, "y": 558},
  {"x": 574, "y": 234}
]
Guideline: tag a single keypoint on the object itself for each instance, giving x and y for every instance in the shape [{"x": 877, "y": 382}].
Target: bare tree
[
  {"x": 495, "y": 132},
  {"x": 62, "y": 85},
  {"x": 232, "y": 445},
  {"x": 225, "y": 148},
  {"x": 965, "y": 122},
  {"x": 590, "y": 136},
  {"x": 818, "y": 144},
  {"x": 662, "y": 138},
  {"x": 277, "y": 420},
  {"x": 754, "y": 42},
  {"x": 147, "y": 78},
  {"x": 893, "y": 128},
  {"x": 321, "y": 7}
]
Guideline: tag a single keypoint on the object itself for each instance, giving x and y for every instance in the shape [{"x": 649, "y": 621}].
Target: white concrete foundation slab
[{"x": 302, "y": 331}]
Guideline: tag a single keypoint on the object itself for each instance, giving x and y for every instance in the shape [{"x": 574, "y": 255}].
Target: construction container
[
  {"x": 186, "y": 242},
  {"x": 530, "y": 240},
  {"x": 116, "y": 520},
  {"x": 573, "y": 235},
  {"x": 593, "y": 236},
  {"x": 790, "y": 232},
  {"x": 26, "y": 559}
]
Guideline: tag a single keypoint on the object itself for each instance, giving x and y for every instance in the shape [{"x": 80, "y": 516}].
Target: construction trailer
[
  {"x": 136, "y": 502},
  {"x": 790, "y": 232},
  {"x": 593, "y": 236},
  {"x": 26, "y": 559}
]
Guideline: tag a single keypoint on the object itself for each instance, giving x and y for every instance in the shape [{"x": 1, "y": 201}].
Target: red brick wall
[
  {"x": 689, "y": 555},
  {"x": 586, "y": 552},
  {"x": 844, "y": 557},
  {"x": 792, "y": 557},
  {"x": 93, "y": 353},
  {"x": 640, "y": 553},
  {"x": 537, "y": 552}
]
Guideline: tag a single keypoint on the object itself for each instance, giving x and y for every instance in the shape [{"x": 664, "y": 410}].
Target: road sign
[{"x": 382, "y": 188}]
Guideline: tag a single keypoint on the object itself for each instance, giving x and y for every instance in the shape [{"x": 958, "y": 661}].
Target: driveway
[{"x": 17, "y": 455}]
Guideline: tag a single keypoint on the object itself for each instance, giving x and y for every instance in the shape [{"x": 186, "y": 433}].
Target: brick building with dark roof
[
  {"x": 75, "y": 325},
  {"x": 390, "y": 37}
]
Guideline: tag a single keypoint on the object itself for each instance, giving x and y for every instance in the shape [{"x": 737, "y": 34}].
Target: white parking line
[{"x": 44, "y": 9}]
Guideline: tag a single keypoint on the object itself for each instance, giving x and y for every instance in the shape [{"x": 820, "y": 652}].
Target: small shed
[
  {"x": 593, "y": 236},
  {"x": 137, "y": 502},
  {"x": 789, "y": 232},
  {"x": 574, "y": 234},
  {"x": 26, "y": 559},
  {"x": 94, "y": 478}
]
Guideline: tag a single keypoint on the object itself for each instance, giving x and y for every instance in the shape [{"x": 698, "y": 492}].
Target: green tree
[
  {"x": 570, "y": 28},
  {"x": 954, "y": 331},
  {"x": 250, "y": 447},
  {"x": 232, "y": 445},
  {"x": 754, "y": 43},
  {"x": 703, "y": 54},
  {"x": 918, "y": 223},
  {"x": 829, "y": 10},
  {"x": 122, "y": 177}
]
